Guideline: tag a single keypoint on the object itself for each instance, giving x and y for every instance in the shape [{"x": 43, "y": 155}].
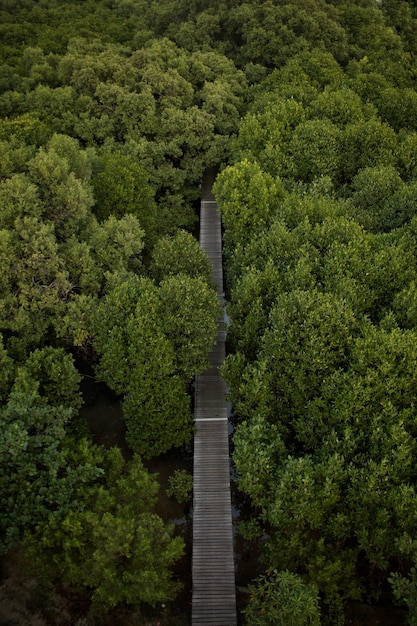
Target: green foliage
[
  {"x": 152, "y": 340},
  {"x": 189, "y": 314},
  {"x": 405, "y": 308},
  {"x": 179, "y": 254},
  {"x": 249, "y": 529},
  {"x": 115, "y": 547},
  {"x": 322, "y": 281},
  {"x": 160, "y": 115},
  {"x": 367, "y": 144},
  {"x": 266, "y": 130},
  {"x": 255, "y": 452},
  {"x": 310, "y": 336},
  {"x": 120, "y": 187},
  {"x": 7, "y": 369},
  {"x": 51, "y": 24},
  {"x": 35, "y": 283},
  {"x": 24, "y": 129},
  {"x": 407, "y": 155},
  {"x": 115, "y": 246},
  {"x": 180, "y": 486},
  {"x": 111, "y": 111},
  {"x": 62, "y": 185},
  {"x": 42, "y": 474},
  {"x": 405, "y": 588},
  {"x": 341, "y": 106},
  {"x": 57, "y": 258},
  {"x": 282, "y": 599},
  {"x": 246, "y": 197},
  {"x": 41, "y": 209},
  {"x": 156, "y": 408},
  {"x": 51, "y": 373},
  {"x": 314, "y": 150},
  {"x": 382, "y": 201},
  {"x": 311, "y": 434}
]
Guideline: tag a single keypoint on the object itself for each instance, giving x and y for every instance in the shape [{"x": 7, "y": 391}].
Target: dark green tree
[
  {"x": 120, "y": 187},
  {"x": 42, "y": 472},
  {"x": 282, "y": 599},
  {"x": 50, "y": 373},
  {"x": 179, "y": 254},
  {"x": 115, "y": 548}
]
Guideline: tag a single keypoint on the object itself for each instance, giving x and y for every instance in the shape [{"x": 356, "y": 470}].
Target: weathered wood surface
[{"x": 213, "y": 569}]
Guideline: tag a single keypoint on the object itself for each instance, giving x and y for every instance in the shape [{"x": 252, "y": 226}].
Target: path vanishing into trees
[{"x": 213, "y": 569}]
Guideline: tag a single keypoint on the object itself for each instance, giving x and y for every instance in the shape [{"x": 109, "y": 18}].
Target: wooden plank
[{"x": 213, "y": 569}]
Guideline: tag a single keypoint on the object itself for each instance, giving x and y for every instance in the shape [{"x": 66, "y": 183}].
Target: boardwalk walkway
[{"x": 214, "y": 598}]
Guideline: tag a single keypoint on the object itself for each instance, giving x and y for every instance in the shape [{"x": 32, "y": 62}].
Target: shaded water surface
[{"x": 103, "y": 415}]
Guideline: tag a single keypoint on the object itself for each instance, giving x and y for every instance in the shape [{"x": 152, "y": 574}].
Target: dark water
[{"x": 103, "y": 415}]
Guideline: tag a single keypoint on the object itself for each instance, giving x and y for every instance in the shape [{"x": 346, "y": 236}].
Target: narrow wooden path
[{"x": 213, "y": 570}]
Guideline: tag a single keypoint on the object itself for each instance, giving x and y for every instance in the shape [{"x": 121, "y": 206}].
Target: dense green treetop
[
  {"x": 152, "y": 339},
  {"x": 267, "y": 34},
  {"x": 319, "y": 215},
  {"x": 116, "y": 547},
  {"x": 49, "y": 25},
  {"x": 282, "y": 599},
  {"x": 179, "y": 254},
  {"x": 56, "y": 254},
  {"x": 168, "y": 110},
  {"x": 43, "y": 473}
]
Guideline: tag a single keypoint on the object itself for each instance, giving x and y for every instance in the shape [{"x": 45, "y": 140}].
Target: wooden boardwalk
[{"x": 213, "y": 570}]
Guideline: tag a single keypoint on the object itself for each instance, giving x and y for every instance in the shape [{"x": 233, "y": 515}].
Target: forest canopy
[
  {"x": 319, "y": 213},
  {"x": 110, "y": 112}
]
